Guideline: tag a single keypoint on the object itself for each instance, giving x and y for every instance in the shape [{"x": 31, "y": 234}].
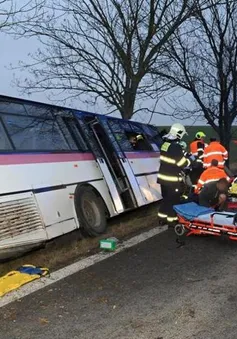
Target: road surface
[{"x": 153, "y": 290}]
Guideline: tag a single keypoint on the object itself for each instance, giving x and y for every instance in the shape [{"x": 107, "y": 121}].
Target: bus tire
[{"x": 90, "y": 211}]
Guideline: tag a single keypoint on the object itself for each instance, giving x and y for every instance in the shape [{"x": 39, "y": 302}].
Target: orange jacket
[
  {"x": 211, "y": 174},
  {"x": 214, "y": 151},
  {"x": 197, "y": 148}
]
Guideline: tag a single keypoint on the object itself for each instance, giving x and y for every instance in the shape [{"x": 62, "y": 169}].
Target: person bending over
[{"x": 215, "y": 195}]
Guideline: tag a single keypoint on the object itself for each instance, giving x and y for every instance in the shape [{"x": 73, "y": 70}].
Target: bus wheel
[{"x": 90, "y": 211}]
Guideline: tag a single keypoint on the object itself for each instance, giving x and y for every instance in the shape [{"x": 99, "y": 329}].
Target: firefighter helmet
[
  {"x": 177, "y": 131},
  {"x": 200, "y": 135},
  {"x": 139, "y": 137}
]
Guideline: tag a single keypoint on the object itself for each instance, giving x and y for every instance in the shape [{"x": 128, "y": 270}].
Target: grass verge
[{"x": 69, "y": 248}]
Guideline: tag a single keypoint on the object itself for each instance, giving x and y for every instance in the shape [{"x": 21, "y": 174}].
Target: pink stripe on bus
[
  {"x": 17, "y": 159},
  {"x": 142, "y": 155}
]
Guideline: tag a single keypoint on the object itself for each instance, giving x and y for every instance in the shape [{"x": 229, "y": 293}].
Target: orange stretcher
[{"x": 198, "y": 220}]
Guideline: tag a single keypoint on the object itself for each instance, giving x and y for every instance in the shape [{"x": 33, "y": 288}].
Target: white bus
[{"x": 61, "y": 169}]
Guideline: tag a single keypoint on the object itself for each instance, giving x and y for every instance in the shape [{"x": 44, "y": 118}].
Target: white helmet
[{"x": 177, "y": 131}]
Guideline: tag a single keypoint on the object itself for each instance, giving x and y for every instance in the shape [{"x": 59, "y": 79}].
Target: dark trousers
[
  {"x": 195, "y": 174},
  {"x": 171, "y": 194}
]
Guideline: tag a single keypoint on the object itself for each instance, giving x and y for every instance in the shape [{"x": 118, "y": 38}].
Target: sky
[{"x": 13, "y": 51}]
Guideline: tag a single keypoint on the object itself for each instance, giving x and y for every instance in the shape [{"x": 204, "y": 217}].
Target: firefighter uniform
[
  {"x": 215, "y": 151},
  {"x": 172, "y": 161},
  {"x": 211, "y": 174}
]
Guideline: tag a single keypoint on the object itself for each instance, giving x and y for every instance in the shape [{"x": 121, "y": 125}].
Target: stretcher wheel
[{"x": 179, "y": 230}]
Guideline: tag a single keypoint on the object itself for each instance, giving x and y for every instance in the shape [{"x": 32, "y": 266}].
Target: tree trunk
[
  {"x": 225, "y": 138},
  {"x": 130, "y": 93}
]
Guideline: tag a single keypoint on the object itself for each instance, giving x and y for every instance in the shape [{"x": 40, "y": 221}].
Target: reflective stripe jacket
[
  {"x": 197, "y": 148},
  {"x": 172, "y": 160},
  {"x": 211, "y": 174},
  {"x": 215, "y": 151}
]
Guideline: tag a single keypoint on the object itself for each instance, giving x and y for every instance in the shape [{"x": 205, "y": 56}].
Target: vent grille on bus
[{"x": 18, "y": 217}]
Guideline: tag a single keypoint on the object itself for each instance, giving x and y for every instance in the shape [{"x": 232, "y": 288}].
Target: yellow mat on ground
[{"x": 23, "y": 275}]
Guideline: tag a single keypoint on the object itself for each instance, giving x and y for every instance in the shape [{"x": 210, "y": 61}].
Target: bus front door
[{"x": 109, "y": 162}]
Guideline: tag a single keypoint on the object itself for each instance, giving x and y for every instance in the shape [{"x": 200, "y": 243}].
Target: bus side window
[
  {"x": 138, "y": 141},
  {"x": 40, "y": 110},
  {"x": 118, "y": 129},
  {"x": 68, "y": 136},
  {"x": 28, "y": 133},
  {"x": 12, "y": 108},
  {"x": 154, "y": 135},
  {"x": 4, "y": 141},
  {"x": 72, "y": 126},
  {"x": 141, "y": 141}
]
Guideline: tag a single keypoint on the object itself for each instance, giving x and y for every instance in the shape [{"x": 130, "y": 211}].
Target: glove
[{"x": 192, "y": 157}]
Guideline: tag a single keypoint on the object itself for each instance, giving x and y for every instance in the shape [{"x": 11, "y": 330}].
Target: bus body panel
[
  {"x": 112, "y": 189},
  {"x": 21, "y": 225},
  {"x": 48, "y": 150},
  {"x": 154, "y": 187},
  {"x": 21, "y": 177},
  {"x": 145, "y": 166},
  {"x": 102, "y": 188},
  {"x": 145, "y": 189},
  {"x": 56, "y": 206},
  {"x": 60, "y": 228},
  {"x": 144, "y": 162}
]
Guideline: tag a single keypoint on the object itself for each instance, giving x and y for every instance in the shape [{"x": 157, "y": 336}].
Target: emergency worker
[
  {"x": 197, "y": 146},
  {"x": 215, "y": 194},
  {"x": 197, "y": 150},
  {"x": 215, "y": 151},
  {"x": 138, "y": 142},
  {"x": 172, "y": 161},
  {"x": 211, "y": 174}
]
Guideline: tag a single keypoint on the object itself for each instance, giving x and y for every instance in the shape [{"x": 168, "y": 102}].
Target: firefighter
[
  {"x": 215, "y": 151},
  {"x": 188, "y": 170},
  {"x": 197, "y": 150},
  {"x": 134, "y": 140},
  {"x": 172, "y": 161},
  {"x": 211, "y": 174}
]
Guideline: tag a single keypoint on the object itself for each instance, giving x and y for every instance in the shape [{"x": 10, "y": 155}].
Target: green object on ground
[{"x": 108, "y": 244}]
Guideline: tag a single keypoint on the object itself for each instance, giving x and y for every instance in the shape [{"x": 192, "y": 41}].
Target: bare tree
[
  {"x": 15, "y": 12},
  {"x": 104, "y": 49},
  {"x": 202, "y": 60}
]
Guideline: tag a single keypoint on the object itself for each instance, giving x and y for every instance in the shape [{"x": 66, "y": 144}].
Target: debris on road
[
  {"x": 109, "y": 244},
  {"x": 43, "y": 321},
  {"x": 23, "y": 275}
]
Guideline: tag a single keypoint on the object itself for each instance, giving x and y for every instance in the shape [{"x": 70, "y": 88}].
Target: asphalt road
[{"x": 153, "y": 291}]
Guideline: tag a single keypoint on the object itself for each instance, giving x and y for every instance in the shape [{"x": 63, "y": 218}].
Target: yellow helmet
[{"x": 200, "y": 135}]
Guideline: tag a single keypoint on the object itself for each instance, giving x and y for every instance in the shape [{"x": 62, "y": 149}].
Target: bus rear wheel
[{"x": 90, "y": 211}]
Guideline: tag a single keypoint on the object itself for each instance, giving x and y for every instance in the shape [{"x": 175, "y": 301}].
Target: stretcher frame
[{"x": 198, "y": 227}]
